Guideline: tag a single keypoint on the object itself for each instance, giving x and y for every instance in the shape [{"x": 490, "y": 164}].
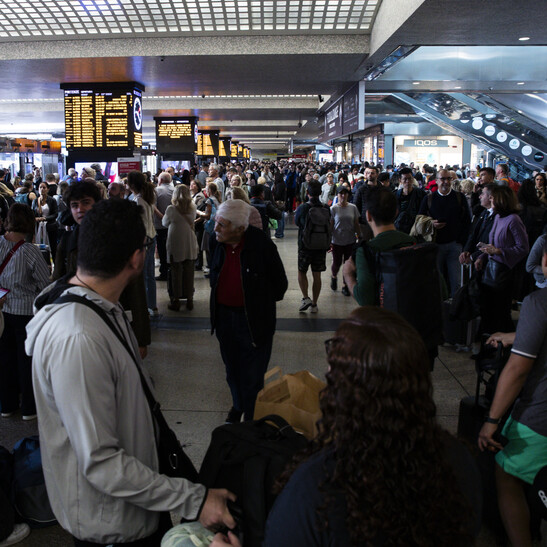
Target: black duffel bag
[{"x": 247, "y": 458}]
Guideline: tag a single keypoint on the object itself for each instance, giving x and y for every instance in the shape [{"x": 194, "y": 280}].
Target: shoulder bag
[
  {"x": 173, "y": 461},
  {"x": 496, "y": 275}
]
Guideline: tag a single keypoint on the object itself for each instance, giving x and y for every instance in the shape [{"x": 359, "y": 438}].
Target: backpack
[
  {"x": 21, "y": 198},
  {"x": 317, "y": 232},
  {"x": 246, "y": 458},
  {"x": 408, "y": 282},
  {"x": 261, "y": 208},
  {"x": 29, "y": 492},
  {"x": 210, "y": 224}
]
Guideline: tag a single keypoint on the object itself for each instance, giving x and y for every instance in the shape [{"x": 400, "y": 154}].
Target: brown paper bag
[{"x": 294, "y": 397}]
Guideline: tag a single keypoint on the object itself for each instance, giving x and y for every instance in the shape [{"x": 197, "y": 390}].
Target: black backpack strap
[{"x": 154, "y": 405}]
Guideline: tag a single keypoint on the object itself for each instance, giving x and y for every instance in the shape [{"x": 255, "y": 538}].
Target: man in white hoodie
[{"x": 98, "y": 446}]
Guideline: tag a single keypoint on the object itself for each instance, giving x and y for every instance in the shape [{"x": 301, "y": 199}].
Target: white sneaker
[
  {"x": 29, "y": 417},
  {"x": 313, "y": 309},
  {"x": 20, "y": 532},
  {"x": 306, "y": 303}
]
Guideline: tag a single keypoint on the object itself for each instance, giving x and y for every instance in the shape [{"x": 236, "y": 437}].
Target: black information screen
[
  {"x": 103, "y": 116},
  {"x": 176, "y": 135},
  {"x": 208, "y": 143}
]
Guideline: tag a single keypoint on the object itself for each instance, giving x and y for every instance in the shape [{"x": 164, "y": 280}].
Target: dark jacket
[
  {"x": 405, "y": 218},
  {"x": 480, "y": 232},
  {"x": 267, "y": 210},
  {"x": 264, "y": 282}
]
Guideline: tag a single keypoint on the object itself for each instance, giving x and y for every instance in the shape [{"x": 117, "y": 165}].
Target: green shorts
[{"x": 525, "y": 453}]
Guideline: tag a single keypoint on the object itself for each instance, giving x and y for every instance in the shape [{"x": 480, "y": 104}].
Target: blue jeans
[
  {"x": 150, "y": 277},
  {"x": 245, "y": 363},
  {"x": 280, "y": 232},
  {"x": 448, "y": 262}
]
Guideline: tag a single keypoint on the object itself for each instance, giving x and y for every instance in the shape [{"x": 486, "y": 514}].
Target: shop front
[{"x": 435, "y": 150}]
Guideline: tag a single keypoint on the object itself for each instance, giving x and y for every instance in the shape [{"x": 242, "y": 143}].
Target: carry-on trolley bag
[{"x": 460, "y": 313}]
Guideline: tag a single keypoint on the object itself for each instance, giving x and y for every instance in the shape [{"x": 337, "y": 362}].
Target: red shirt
[{"x": 230, "y": 287}]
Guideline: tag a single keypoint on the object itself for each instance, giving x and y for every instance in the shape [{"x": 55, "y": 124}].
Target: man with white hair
[
  {"x": 213, "y": 172},
  {"x": 247, "y": 279}
]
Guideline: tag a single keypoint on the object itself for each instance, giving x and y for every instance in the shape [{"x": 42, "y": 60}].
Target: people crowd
[{"x": 226, "y": 220}]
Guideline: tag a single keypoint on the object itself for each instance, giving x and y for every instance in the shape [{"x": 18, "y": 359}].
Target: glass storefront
[{"x": 440, "y": 150}]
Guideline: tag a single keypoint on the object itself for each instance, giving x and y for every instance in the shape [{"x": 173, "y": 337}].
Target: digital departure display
[
  {"x": 208, "y": 144},
  {"x": 225, "y": 147},
  {"x": 103, "y": 116},
  {"x": 234, "y": 148},
  {"x": 240, "y": 151},
  {"x": 176, "y": 135}
]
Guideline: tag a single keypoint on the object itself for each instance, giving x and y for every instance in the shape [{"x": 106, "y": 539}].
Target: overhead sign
[
  {"x": 103, "y": 115},
  {"x": 334, "y": 121},
  {"x": 353, "y": 112},
  {"x": 208, "y": 144},
  {"x": 176, "y": 135},
  {"x": 234, "y": 150},
  {"x": 224, "y": 148},
  {"x": 426, "y": 143}
]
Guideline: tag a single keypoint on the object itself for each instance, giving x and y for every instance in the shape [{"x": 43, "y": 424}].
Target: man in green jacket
[{"x": 380, "y": 210}]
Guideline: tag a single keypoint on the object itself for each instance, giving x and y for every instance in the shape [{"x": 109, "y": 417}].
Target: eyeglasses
[
  {"x": 148, "y": 242},
  {"x": 329, "y": 343}
]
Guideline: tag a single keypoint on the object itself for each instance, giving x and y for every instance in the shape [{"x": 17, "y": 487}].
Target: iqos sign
[{"x": 435, "y": 143}]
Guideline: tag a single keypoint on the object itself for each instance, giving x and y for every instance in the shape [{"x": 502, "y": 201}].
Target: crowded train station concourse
[{"x": 272, "y": 273}]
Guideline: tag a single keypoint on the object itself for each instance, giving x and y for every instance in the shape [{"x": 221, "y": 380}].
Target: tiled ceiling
[{"x": 59, "y": 19}]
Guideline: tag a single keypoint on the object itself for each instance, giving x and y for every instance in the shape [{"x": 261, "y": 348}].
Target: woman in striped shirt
[{"x": 24, "y": 275}]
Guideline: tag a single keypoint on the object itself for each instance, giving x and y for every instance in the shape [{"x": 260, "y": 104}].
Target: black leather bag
[{"x": 497, "y": 275}]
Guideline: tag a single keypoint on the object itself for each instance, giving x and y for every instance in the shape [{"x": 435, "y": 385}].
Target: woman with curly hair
[{"x": 381, "y": 471}]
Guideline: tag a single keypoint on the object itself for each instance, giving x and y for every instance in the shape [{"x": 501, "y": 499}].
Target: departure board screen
[
  {"x": 225, "y": 150},
  {"x": 234, "y": 150},
  {"x": 240, "y": 151},
  {"x": 176, "y": 135},
  {"x": 208, "y": 143},
  {"x": 103, "y": 116}
]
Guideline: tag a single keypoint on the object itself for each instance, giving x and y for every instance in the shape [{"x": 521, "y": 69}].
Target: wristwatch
[{"x": 489, "y": 420}]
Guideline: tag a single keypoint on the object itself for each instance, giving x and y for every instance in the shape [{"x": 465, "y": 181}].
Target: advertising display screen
[
  {"x": 103, "y": 116},
  {"x": 176, "y": 135},
  {"x": 208, "y": 144}
]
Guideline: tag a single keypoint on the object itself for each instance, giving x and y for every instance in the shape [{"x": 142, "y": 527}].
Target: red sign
[
  {"x": 125, "y": 166},
  {"x": 299, "y": 156}
]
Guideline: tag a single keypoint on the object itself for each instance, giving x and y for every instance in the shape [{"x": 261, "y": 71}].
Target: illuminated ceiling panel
[{"x": 62, "y": 19}]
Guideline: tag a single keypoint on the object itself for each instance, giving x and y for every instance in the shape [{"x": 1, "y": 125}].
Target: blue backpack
[
  {"x": 29, "y": 492},
  {"x": 210, "y": 224}
]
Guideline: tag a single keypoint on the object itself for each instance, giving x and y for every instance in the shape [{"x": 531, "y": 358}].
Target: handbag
[
  {"x": 42, "y": 238},
  {"x": 496, "y": 275},
  {"x": 280, "y": 205},
  {"x": 172, "y": 459}
]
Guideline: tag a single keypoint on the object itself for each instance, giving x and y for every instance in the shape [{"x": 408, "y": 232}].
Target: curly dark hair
[
  {"x": 527, "y": 194},
  {"x": 379, "y": 423}
]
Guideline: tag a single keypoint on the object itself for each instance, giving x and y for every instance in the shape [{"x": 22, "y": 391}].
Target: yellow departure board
[
  {"x": 234, "y": 150},
  {"x": 176, "y": 135},
  {"x": 221, "y": 149},
  {"x": 205, "y": 146},
  {"x": 98, "y": 117}
]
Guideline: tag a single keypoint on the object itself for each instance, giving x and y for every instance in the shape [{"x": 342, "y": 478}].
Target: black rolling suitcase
[
  {"x": 460, "y": 318},
  {"x": 488, "y": 365}
]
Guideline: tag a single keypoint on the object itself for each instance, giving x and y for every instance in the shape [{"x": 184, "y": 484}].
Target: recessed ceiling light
[
  {"x": 415, "y": 83},
  {"x": 458, "y": 87},
  {"x": 520, "y": 83},
  {"x": 524, "y": 38}
]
